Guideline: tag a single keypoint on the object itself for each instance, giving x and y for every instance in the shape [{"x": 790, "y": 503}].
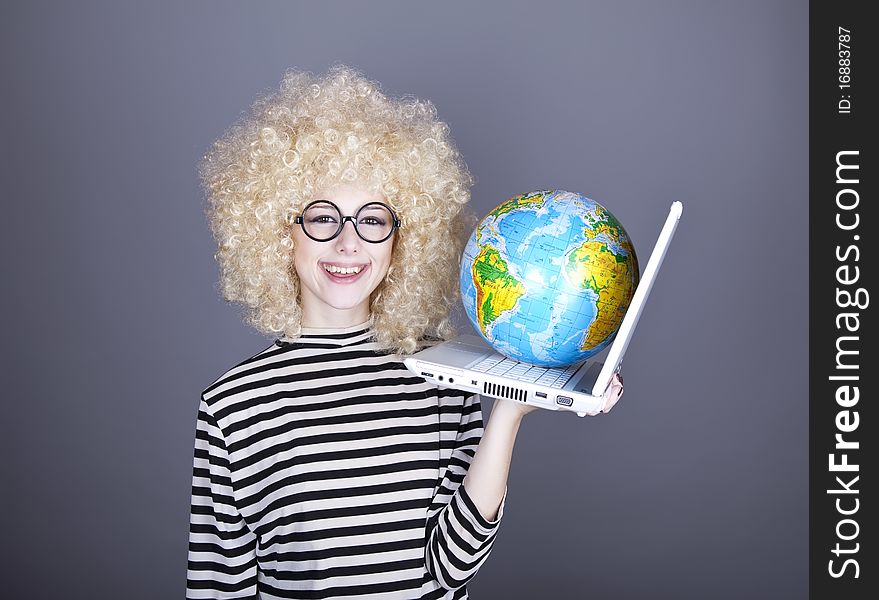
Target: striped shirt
[{"x": 324, "y": 469}]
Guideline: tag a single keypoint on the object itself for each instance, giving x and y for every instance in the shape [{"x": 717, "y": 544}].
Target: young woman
[{"x": 323, "y": 468}]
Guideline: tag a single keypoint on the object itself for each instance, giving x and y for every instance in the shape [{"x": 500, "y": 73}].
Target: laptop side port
[
  {"x": 564, "y": 400},
  {"x": 426, "y": 374},
  {"x": 540, "y": 394}
]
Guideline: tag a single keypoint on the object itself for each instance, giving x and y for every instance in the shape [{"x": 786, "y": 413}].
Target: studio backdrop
[{"x": 694, "y": 486}]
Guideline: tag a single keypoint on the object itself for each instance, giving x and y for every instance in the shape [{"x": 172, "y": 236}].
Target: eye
[
  {"x": 321, "y": 215},
  {"x": 324, "y": 218},
  {"x": 372, "y": 220},
  {"x": 374, "y": 215}
]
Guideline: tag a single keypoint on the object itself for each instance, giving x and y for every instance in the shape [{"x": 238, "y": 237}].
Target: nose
[{"x": 348, "y": 240}]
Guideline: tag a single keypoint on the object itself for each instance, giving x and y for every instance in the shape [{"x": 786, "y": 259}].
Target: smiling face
[{"x": 338, "y": 277}]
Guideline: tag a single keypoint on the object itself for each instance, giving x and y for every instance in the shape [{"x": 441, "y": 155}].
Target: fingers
[{"x": 614, "y": 392}]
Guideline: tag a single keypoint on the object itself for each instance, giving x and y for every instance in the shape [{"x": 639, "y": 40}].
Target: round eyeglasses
[{"x": 322, "y": 221}]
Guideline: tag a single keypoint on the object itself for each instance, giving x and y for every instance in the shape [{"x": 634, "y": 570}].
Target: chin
[{"x": 347, "y": 302}]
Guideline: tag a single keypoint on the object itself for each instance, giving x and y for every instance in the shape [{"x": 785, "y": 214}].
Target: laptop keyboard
[{"x": 499, "y": 365}]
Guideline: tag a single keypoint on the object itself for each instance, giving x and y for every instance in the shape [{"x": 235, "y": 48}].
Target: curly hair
[{"x": 316, "y": 131}]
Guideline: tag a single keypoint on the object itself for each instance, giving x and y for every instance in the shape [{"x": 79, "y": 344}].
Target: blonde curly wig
[{"x": 316, "y": 131}]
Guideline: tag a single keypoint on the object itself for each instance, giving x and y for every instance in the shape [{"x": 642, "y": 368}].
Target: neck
[{"x": 336, "y": 318}]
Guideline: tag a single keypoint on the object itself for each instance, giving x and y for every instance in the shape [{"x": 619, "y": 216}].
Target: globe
[{"x": 546, "y": 277}]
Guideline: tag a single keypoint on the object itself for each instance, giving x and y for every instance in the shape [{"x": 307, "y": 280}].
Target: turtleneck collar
[{"x": 335, "y": 336}]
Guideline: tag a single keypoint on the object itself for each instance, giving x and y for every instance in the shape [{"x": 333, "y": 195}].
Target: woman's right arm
[{"x": 222, "y": 549}]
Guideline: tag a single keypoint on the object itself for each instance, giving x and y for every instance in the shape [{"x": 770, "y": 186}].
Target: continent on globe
[
  {"x": 533, "y": 199},
  {"x": 594, "y": 266},
  {"x": 547, "y": 277},
  {"x": 496, "y": 290}
]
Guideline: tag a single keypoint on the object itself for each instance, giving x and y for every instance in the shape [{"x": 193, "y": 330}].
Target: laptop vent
[{"x": 504, "y": 391}]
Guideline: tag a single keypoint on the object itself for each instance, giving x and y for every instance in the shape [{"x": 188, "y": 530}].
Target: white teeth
[{"x": 342, "y": 270}]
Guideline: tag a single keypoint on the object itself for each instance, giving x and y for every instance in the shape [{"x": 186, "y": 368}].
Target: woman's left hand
[{"x": 519, "y": 409}]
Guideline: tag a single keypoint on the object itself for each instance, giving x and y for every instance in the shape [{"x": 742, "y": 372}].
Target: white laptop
[{"x": 468, "y": 363}]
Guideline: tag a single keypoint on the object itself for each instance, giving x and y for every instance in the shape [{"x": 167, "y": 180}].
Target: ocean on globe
[{"x": 546, "y": 277}]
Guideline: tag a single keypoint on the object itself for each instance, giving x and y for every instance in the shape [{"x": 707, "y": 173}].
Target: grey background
[{"x": 694, "y": 486}]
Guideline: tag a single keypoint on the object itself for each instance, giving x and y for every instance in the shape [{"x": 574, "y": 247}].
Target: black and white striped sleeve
[
  {"x": 222, "y": 549},
  {"x": 459, "y": 538}
]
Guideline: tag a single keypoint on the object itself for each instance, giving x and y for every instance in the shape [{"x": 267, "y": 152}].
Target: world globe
[{"x": 546, "y": 277}]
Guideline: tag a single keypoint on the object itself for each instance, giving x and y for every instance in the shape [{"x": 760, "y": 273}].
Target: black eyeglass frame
[{"x": 353, "y": 218}]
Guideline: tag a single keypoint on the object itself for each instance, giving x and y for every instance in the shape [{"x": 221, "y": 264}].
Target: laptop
[{"x": 469, "y": 364}]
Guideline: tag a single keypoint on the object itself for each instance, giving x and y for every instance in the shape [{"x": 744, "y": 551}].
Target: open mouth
[{"x": 342, "y": 272}]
